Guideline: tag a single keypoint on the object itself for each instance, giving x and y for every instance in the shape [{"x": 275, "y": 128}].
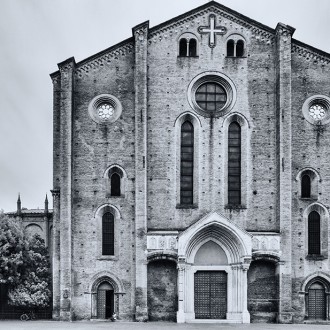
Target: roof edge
[
  {"x": 102, "y": 52},
  {"x": 311, "y": 48},
  {"x": 221, "y": 7}
]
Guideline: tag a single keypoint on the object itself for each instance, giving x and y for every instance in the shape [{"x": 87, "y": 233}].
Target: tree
[
  {"x": 12, "y": 251},
  {"x": 34, "y": 288}
]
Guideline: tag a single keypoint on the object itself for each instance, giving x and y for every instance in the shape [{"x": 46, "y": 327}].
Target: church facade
[{"x": 191, "y": 175}]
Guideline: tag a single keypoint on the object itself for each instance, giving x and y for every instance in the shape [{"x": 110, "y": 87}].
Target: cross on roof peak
[{"x": 212, "y": 29}]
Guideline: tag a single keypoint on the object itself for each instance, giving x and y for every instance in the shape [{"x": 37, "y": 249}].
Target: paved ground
[{"x": 87, "y": 325}]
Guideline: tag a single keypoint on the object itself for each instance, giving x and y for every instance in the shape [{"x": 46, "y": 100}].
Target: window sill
[
  {"x": 235, "y": 207},
  {"x": 235, "y": 56},
  {"x": 307, "y": 199},
  {"x": 107, "y": 258},
  {"x": 315, "y": 257},
  {"x": 188, "y": 56},
  {"x": 187, "y": 206}
]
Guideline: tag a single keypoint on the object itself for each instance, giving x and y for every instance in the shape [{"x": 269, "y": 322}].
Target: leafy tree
[
  {"x": 34, "y": 289},
  {"x": 12, "y": 251},
  {"x": 24, "y": 265}
]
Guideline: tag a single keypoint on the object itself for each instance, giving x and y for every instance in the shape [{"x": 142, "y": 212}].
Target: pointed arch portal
[{"x": 213, "y": 258}]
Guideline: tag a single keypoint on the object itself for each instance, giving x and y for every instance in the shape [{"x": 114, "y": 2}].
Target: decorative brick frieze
[
  {"x": 310, "y": 55},
  {"x": 265, "y": 242},
  {"x": 162, "y": 241},
  {"x": 104, "y": 58}
]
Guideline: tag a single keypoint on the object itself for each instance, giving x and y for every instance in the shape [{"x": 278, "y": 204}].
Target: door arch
[{"x": 105, "y": 300}]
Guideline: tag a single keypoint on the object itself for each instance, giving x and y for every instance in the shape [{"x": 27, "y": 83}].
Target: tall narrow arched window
[
  {"x": 314, "y": 233},
  {"x": 230, "y": 48},
  {"x": 234, "y": 164},
  {"x": 305, "y": 186},
  {"x": 240, "y": 48},
  {"x": 192, "y": 47},
  {"x": 187, "y": 163},
  {"x": 115, "y": 184},
  {"x": 108, "y": 234},
  {"x": 183, "y": 47}
]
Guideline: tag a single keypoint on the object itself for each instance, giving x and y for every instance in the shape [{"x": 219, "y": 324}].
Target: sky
[{"x": 35, "y": 35}]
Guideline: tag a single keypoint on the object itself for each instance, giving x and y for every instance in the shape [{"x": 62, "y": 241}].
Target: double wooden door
[{"x": 210, "y": 294}]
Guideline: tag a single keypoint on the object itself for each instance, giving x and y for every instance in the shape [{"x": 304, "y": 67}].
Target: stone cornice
[
  {"x": 67, "y": 65},
  {"x": 106, "y": 56},
  {"x": 55, "y": 76},
  {"x": 309, "y": 52}
]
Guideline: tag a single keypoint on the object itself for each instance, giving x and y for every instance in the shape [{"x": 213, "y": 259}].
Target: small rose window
[{"x": 105, "y": 109}]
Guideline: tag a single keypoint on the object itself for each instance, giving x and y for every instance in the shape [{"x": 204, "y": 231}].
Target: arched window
[
  {"x": 240, "y": 48},
  {"x": 108, "y": 234},
  {"x": 234, "y": 164},
  {"x": 230, "y": 48},
  {"x": 187, "y": 163},
  {"x": 192, "y": 47},
  {"x": 305, "y": 186},
  {"x": 115, "y": 184},
  {"x": 183, "y": 47},
  {"x": 314, "y": 233}
]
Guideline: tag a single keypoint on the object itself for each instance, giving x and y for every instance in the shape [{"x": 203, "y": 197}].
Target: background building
[{"x": 191, "y": 175}]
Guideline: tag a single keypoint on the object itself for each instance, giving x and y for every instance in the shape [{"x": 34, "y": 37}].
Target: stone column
[
  {"x": 56, "y": 254},
  {"x": 66, "y": 105},
  {"x": 140, "y": 34},
  {"x": 181, "y": 292},
  {"x": 283, "y": 166},
  {"x": 245, "y": 313}
]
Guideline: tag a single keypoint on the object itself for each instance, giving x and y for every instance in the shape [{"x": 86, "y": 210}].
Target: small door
[
  {"x": 316, "y": 302},
  {"x": 210, "y": 295},
  {"x": 105, "y": 301}
]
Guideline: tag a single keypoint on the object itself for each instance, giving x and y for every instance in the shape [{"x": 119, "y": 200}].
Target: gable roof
[{"x": 218, "y": 8}]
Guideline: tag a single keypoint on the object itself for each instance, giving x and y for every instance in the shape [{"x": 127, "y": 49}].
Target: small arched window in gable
[
  {"x": 183, "y": 47},
  {"x": 230, "y": 47},
  {"x": 314, "y": 233},
  {"x": 115, "y": 184},
  {"x": 188, "y": 46},
  {"x": 240, "y": 48},
  {"x": 192, "y": 47},
  {"x": 305, "y": 186},
  {"x": 108, "y": 234}
]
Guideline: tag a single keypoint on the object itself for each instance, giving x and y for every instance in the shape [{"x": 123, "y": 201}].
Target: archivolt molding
[
  {"x": 106, "y": 207},
  {"x": 105, "y": 276},
  {"x": 306, "y": 169},
  {"x": 162, "y": 255},
  {"x": 315, "y": 276},
  {"x": 236, "y": 242},
  {"x": 320, "y": 208}
]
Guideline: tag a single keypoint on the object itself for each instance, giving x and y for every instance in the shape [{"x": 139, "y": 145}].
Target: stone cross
[{"x": 212, "y": 29}]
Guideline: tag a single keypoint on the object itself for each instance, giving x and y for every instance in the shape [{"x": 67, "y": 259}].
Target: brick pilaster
[
  {"x": 283, "y": 166},
  {"x": 140, "y": 34},
  {"x": 66, "y": 70}
]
